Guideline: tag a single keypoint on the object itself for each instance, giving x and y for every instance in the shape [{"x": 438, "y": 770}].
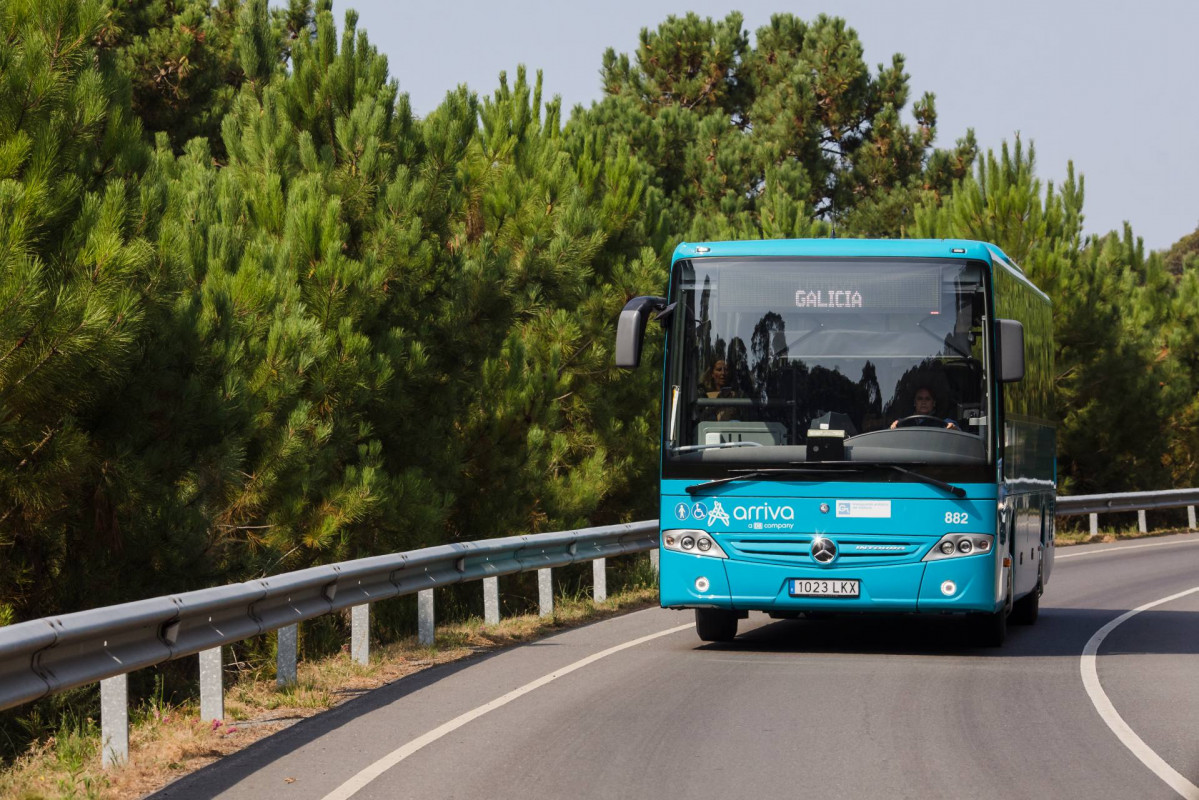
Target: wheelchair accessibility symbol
[{"x": 699, "y": 511}]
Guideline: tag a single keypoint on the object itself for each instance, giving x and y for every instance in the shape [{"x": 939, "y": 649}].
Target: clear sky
[{"x": 1113, "y": 86}]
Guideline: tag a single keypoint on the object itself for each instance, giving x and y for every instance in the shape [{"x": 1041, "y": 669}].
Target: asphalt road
[{"x": 891, "y": 707}]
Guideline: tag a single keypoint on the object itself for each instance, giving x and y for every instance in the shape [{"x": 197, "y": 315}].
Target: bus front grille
[{"x": 797, "y": 549}]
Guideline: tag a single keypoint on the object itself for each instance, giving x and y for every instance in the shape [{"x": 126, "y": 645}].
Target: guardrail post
[
  {"x": 653, "y": 560},
  {"x": 1094, "y": 524},
  {"x": 1141, "y": 526},
  {"x": 286, "y": 643},
  {"x": 545, "y": 592},
  {"x": 114, "y": 720},
  {"x": 212, "y": 692},
  {"x": 491, "y": 601},
  {"x": 1191, "y": 518},
  {"x": 360, "y": 633},
  {"x": 424, "y": 617},
  {"x": 599, "y": 580}
]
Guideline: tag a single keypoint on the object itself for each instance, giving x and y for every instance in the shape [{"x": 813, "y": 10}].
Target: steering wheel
[{"x": 917, "y": 419}]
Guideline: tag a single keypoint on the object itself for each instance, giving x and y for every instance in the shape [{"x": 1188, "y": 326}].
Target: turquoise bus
[{"x": 852, "y": 426}]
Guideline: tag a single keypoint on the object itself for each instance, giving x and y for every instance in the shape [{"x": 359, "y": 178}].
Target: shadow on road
[
  {"x": 1058, "y": 632},
  {"x": 230, "y": 770}
]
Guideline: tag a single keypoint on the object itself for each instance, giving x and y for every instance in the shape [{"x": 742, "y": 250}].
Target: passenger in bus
[
  {"x": 717, "y": 382},
  {"x": 925, "y": 404}
]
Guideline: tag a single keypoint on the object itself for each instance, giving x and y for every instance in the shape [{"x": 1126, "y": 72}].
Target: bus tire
[
  {"x": 715, "y": 624},
  {"x": 1026, "y": 610},
  {"x": 990, "y": 630}
]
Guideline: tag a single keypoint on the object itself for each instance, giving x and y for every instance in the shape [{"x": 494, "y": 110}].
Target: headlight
[
  {"x": 957, "y": 545},
  {"x": 696, "y": 543}
]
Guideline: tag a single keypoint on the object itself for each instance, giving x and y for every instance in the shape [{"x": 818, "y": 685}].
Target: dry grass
[{"x": 168, "y": 742}]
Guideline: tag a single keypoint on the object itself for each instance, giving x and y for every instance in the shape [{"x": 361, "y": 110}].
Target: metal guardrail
[
  {"x": 49, "y": 655},
  {"x": 1140, "y": 502},
  {"x": 1128, "y": 501}
]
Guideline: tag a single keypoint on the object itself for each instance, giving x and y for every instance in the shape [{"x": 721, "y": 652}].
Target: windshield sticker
[{"x": 864, "y": 509}]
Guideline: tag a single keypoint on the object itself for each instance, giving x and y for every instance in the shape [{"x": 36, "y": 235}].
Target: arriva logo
[
  {"x": 718, "y": 514},
  {"x": 763, "y": 512}
]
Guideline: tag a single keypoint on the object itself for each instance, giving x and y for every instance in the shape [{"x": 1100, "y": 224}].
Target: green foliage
[
  {"x": 76, "y": 278},
  {"x": 1183, "y": 254},
  {"x": 1110, "y": 301},
  {"x": 779, "y": 139},
  {"x": 1181, "y": 352},
  {"x": 259, "y": 316},
  {"x": 186, "y": 59}
]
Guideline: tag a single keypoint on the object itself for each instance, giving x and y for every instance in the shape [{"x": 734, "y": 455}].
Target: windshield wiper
[
  {"x": 750, "y": 474},
  {"x": 956, "y": 491},
  {"x": 691, "y": 448},
  {"x": 835, "y": 467}
]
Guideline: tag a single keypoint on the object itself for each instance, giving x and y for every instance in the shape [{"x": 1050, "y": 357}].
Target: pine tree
[
  {"x": 1182, "y": 253},
  {"x": 1108, "y": 398},
  {"x": 774, "y": 140},
  {"x": 186, "y": 59},
  {"x": 279, "y": 317},
  {"x": 76, "y": 278},
  {"x": 1182, "y": 389},
  {"x": 534, "y": 457}
]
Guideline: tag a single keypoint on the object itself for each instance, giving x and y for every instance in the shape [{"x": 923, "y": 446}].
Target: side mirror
[
  {"x": 630, "y": 329},
  {"x": 1011, "y": 350}
]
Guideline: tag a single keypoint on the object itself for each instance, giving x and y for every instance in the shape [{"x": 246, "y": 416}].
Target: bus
[{"x": 860, "y": 426}]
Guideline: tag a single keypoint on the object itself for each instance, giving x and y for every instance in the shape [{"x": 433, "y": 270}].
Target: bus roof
[{"x": 849, "y": 248}]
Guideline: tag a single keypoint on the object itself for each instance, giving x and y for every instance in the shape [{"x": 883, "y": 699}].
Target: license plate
[{"x": 824, "y": 587}]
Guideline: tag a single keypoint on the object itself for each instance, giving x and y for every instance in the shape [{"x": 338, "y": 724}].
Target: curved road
[{"x": 846, "y": 708}]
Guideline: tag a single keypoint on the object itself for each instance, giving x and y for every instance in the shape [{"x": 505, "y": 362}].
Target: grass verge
[{"x": 166, "y": 742}]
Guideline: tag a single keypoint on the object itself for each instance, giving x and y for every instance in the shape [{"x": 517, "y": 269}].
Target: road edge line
[
  {"x": 1089, "y": 666},
  {"x": 1125, "y": 547},
  {"x": 364, "y": 777}
]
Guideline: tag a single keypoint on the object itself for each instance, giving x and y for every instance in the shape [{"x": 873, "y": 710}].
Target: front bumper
[{"x": 757, "y": 586}]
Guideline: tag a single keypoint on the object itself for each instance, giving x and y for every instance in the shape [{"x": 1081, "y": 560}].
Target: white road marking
[
  {"x": 363, "y": 778},
  {"x": 1090, "y": 680},
  {"x": 1126, "y": 547}
]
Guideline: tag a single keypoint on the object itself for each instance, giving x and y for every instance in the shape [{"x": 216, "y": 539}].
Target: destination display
[
  {"x": 792, "y": 286},
  {"x": 835, "y": 298}
]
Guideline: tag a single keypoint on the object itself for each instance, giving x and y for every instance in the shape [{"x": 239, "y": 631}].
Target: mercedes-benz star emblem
[{"x": 823, "y": 550}]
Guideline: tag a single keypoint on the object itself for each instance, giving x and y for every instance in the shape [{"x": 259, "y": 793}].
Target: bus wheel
[
  {"x": 990, "y": 630},
  {"x": 715, "y": 624},
  {"x": 1026, "y": 610}
]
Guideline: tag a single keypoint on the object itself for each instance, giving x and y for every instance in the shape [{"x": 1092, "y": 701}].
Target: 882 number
[{"x": 956, "y": 517}]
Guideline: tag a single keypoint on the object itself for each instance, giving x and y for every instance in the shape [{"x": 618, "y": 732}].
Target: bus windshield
[{"x": 789, "y": 360}]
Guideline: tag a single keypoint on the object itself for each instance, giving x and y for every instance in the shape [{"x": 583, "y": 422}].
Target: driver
[{"x": 925, "y": 403}]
